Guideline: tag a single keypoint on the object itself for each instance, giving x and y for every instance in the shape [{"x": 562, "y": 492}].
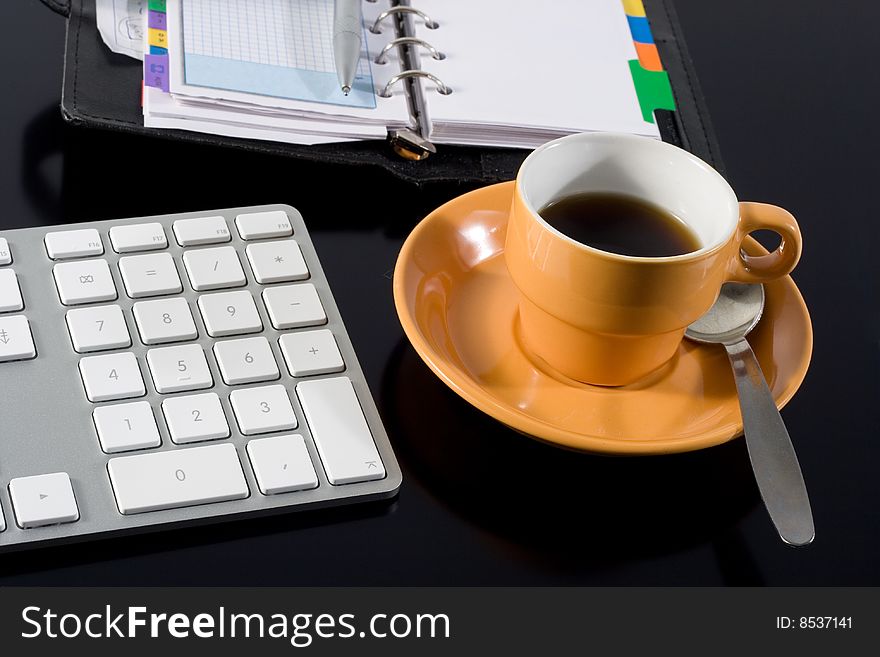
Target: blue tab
[
  {"x": 641, "y": 31},
  {"x": 156, "y": 50}
]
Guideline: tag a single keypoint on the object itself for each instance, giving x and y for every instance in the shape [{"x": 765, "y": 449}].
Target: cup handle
[{"x": 747, "y": 268}]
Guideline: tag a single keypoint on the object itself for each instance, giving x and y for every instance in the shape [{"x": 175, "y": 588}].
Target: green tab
[
  {"x": 156, "y": 5},
  {"x": 652, "y": 89}
]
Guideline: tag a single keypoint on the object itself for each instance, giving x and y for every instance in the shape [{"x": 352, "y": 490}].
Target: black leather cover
[{"x": 102, "y": 90}]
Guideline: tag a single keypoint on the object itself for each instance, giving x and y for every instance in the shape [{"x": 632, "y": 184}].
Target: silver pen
[{"x": 347, "y": 31}]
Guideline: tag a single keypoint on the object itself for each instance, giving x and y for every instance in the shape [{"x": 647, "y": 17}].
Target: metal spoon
[{"x": 735, "y": 313}]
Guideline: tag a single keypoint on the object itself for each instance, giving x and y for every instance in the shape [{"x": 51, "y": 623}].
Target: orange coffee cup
[{"x": 610, "y": 319}]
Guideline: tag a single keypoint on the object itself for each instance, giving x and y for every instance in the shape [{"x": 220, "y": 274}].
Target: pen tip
[{"x": 346, "y": 89}]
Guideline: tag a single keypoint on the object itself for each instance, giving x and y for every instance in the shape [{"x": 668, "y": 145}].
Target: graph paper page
[{"x": 276, "y": 48}]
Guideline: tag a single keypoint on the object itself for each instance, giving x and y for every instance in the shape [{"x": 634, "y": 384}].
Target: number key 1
[{"x": 126, "y": 427}]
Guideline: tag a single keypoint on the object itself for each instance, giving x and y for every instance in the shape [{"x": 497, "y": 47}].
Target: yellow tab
[
  {"x": 158, "y": 38},
  {"x": 633, "y": 8}
]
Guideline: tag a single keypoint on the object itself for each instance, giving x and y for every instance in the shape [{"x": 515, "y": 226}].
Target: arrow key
[{"x": 43, "y": 500}]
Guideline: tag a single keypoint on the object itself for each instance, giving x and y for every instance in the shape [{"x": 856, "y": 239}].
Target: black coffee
[{"x": 620, "y": 224}]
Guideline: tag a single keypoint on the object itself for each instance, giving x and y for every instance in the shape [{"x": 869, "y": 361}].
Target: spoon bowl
[{"x": 736, "y": 312}]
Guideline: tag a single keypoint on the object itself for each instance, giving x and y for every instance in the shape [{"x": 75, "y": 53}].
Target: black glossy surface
[{"x": 793, "y": 92}]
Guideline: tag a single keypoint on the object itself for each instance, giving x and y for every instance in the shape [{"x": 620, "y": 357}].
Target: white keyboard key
[
  {"x": 176, "y": 369},
  {"x": 43, "y": 500},
  {"x": 213, "y": 269},
  {"x": 230, "y": 313},
  {"x": 126, "y": 427},
  {"x": 2, "y": 520},
  {"x": 164, "y": 320},
  {"x": 282, "y": 464},
  {"x": 5, "y": 257},
  {"x": 311, "y": 352},
  {"x": 246, "y": 361},
  {"x": 16, "y": 341},
  {"x": 97, "y": 328},
  {"x": 149, "y": 275},
  {"x": 340, "y": 430},
  {"x": 195, "y": 417},
  {"x": 114, "y": 376},
  {"x": 180, "y": 477},
  {"x": 260, "y": 225},
  {"x": 10, "y": 293},
  {"x": 86, "y": 281},
  {"x": 262, "y": 410},
  {"x": 277, "y": 262},
  {"x": 73, "y": 243},
  {"x": 293, "y": 306},
  {"x": 201, "y": 230},
  {"x": 138, "y": 237}
]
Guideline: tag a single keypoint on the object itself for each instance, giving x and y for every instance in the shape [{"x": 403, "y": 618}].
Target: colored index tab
[
  {"x": 157, "y": 20},
  {"x": 158, "y": 38},
  {"x": 652, "y": 89},
  {"x": 649, "y": 57},
  {"x": 633, "y": 8},
  {"x": 640, "y": 29},
  {"x": 156, "y": 71},
  {"x": 156, "y": 5}
]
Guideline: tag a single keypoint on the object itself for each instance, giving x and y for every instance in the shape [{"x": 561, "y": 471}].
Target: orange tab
[{"x": 649, "y": 57}]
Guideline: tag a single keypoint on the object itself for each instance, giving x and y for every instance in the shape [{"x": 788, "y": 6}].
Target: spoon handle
[{"x": 774, "y": 461}]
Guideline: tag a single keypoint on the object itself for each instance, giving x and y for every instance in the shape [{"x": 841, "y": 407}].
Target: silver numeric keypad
[{"x": 184, "y": 368}]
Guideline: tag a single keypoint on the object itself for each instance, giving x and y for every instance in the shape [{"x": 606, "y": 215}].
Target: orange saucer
[{"x": 458, "y": 307}]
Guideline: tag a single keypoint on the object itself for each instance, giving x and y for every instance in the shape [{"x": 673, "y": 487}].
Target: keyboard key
[
  {"x": 195, "y": 417},
  {"x": 126, "y": 427},
  {"x": 43, "y": 500},
  {"x": 2, "y": 520},
  {"x": 260, "y": 225},
  {"x": 277, "y": 262},
  {"x": 340, "y": 430},
  {"x": 202, "y": 230},
  {"x": 246, "y": 361},
  {"x": 10, "y": 293},
  {"x": 97, "y": 328},
  {"x": 176, "y": 369},
  {"x": 213, "y": 269},
  {"x": 149, "y": 275},
  {"x": 138, "y": 237},
  {"x": 164, "y": 320},
  {"x": 86, "y": 281},
  {"x": 230, "y": 313},
  {"x": 176, "y": 478},
  {"x": 5, "y": 257},
  {"x": 311, "y": 352},
  {"x": 16, "y": 342},
  {"x": 282, "y": 464},
  {"x": 262, "y": 410},
  {"x": 64, "y": 244},
  {"x": 114, "y": 376},
  {"x": 293, "y": 306}
]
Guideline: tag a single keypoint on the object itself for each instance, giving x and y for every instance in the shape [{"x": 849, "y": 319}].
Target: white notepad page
[
  {"x": 212, "y": 29},
  {"x": 520, "y": 69}
]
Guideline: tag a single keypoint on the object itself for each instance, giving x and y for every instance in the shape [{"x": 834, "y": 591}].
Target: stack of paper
[{"x": 266, "y": 71}]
